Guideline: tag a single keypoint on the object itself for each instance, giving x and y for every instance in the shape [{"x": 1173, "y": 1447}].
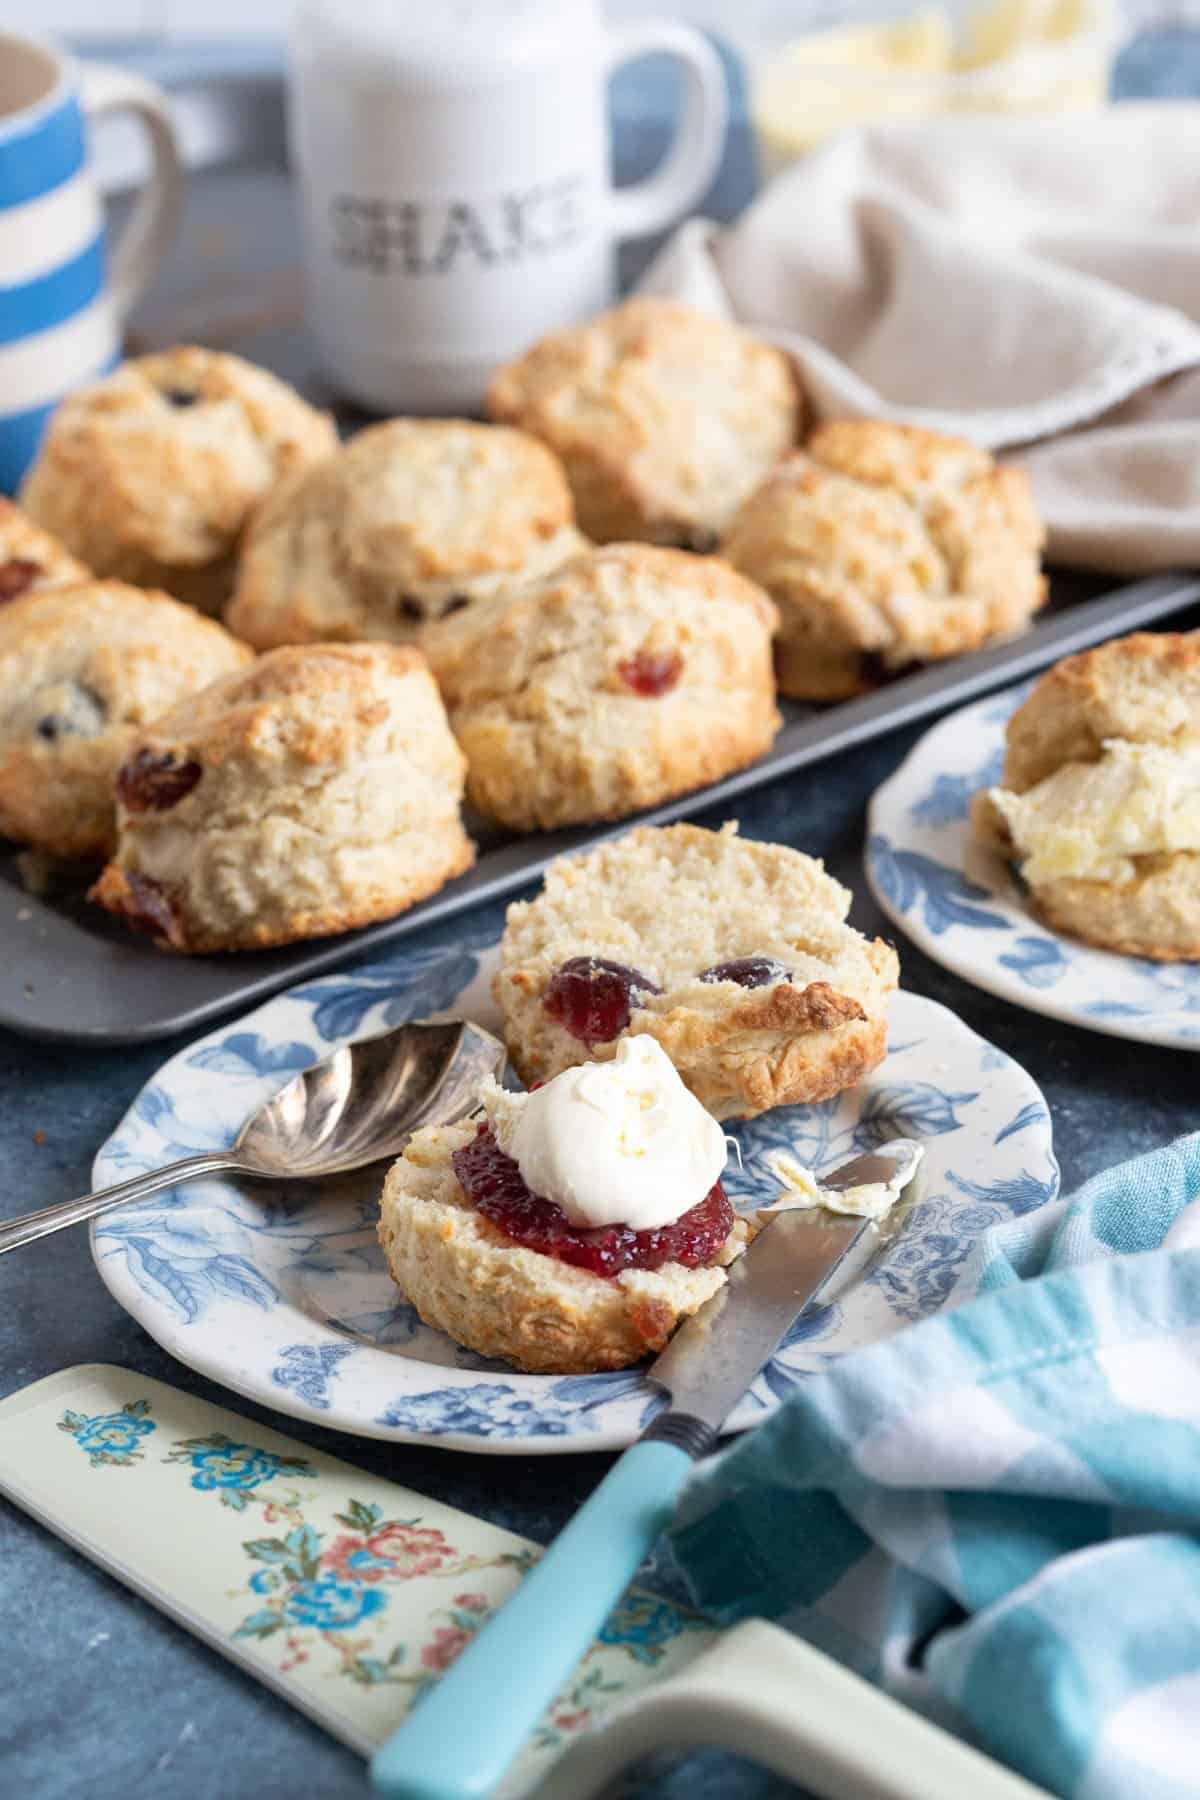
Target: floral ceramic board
[
  {"x": 346, "y": 1594},
  {"x": 286, "y": 1297},
  {"x": 964, "y": 905}
]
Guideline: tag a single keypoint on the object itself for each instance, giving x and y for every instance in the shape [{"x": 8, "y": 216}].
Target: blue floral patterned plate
[
  {"x": 962, "y": 904},
  {"x": 288, "y": 1299}
]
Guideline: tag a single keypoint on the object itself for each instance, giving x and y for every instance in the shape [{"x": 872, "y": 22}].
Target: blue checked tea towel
[{"x": 996, "y": 1514}]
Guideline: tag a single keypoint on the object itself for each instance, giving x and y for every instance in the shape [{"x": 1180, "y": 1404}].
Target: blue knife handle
[{"x": 462, "y": 1735}]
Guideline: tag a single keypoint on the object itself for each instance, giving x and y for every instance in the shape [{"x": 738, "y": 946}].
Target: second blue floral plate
[
  {"x": 961, "y": 903},
  {"x": 287, "y": 1298}
]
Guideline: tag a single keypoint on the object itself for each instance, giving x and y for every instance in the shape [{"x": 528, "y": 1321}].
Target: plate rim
[
  {"x": 230, "y": 1374},
  {"x": 985, "y": 974}
]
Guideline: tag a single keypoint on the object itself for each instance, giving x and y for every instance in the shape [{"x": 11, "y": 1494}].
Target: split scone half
[
  {"x": 884, "y": 545},
  {"x": 315, "y": 791},
  {"x": 1099, "y": 800},
  {"x": 631, "y": 675},
  {"x": 466, "y": 1277},
  {"x": 735, "y": 955}
]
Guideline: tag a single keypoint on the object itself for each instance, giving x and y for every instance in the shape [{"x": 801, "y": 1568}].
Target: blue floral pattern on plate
[
  {"x": 967, "y": 909},
  {"x": 286, "y": 1296}
]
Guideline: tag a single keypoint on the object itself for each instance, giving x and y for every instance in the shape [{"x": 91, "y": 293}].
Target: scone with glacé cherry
[
  {"x": 570, "y": 1229},
  {"x": 632, "y": 675},
  {"x": 1099, "y": 800},
  {"x": 32, "y": 559},
  {"x": 884, "y": 545},
  {"x": 152, "y": 473},
  {"x": 411, "y": 520},
  {"x": 734, "y": 955},
  {"x": 313, "y": 792},
  {"x": 83, "y": 670},
  {"x": 665, "y": 418}
]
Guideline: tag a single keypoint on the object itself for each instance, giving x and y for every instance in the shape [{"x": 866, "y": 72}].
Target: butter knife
[{"x": 459, "y": 1741}]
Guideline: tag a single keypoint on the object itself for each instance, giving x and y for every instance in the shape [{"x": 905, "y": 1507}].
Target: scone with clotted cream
[{"x": 1099, "y": 801}]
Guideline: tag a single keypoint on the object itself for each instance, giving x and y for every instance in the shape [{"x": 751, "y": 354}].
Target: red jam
[
  {"x": 594, "y": 999},
  {"x": 495, "y": 1187},
  {"x": 748, "y": 971},
  {"x": 150, "y": 783},
  {"x": 651, "y": 672},
  {"x": 17, "y": 576}
]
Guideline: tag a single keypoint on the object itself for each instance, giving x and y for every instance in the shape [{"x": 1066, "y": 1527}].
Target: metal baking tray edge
[{"x": 94, "y": 984}]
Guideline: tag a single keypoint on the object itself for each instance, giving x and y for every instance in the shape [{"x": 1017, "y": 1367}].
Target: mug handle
[
  {"x": 695, "y": 154},
  {"x": 147, "y": 236}
]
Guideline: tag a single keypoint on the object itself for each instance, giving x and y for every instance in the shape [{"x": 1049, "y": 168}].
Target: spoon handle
[{"x": 28, "y": 1227}]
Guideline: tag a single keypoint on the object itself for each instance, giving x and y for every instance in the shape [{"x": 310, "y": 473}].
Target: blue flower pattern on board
[
  {"x": 233, "y": 1471},
  {"x": 644, "y": 1625},
  {"x": 113, "y": 1439},
  {"x": 912, "y": 881},
  {"x": 331, "y": 1605},
  {"x": 308, "y": 1369}
]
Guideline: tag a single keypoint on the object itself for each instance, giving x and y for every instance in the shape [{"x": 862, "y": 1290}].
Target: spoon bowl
[{"x": 358, "y": 1106}]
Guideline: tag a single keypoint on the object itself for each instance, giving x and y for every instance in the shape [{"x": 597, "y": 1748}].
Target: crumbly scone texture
[
  {"x": 410, "y": 520},
  {"x": 32, "y": 559},
  {"x": 152, "y": 473},
  {"x": 84, "y": 669},
  {"x": 674, "y": 901},
  {"x": 315, "y": 791},
  {"x": 543, "y": 685},
  {"x": 665, "y": 417},
  {"x": 467, "y": 1278},
  {"x": 1144, "y": 689},
  {"x": 885, "y": 541}
]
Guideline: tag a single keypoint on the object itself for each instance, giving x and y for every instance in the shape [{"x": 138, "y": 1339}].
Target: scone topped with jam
[
  {"x": 631, "y": 675},
  {"x": 570, "y": 1229},
  {"x": 1099, "y": 799},
  {"x": 30, "y": 558},
  {"x": 84, "y": 669},
  {"x": 665, "y": 418},
  {"x": 315, "y": 791},
  {"x": 734, "y": 955},
  {"x": 884, "y": 545},
  {"x": 152, "y": 473},
  {"x": 411, "y": 520}
]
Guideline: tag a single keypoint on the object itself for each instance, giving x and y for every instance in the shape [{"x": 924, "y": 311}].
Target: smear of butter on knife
[{"x": 803, "y": 1192}]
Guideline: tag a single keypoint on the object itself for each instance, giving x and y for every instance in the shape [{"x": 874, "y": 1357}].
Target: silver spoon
[{"x": 358, "y": 1106}]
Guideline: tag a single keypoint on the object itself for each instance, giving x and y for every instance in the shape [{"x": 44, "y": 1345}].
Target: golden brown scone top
[{"x": 665, "y": 417}]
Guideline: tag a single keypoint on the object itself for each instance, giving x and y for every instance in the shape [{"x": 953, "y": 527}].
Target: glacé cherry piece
[
  {"x": 748, "y": 971},
  {"x": 594, "y": 998},
  {"x": 147, "y": 782},
  {"x": 17, "y": 576},
  {"x": 496, "y": 1188},
  {"x": 651, "y": 672}
]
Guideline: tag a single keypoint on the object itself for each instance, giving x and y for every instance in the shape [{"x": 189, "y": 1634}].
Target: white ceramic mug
[
  {"x": 62, "y": 298},
  {"x": 453, "y": 168}
]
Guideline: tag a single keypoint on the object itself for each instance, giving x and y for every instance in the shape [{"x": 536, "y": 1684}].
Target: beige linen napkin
[{"x": 1031, "y": 284}]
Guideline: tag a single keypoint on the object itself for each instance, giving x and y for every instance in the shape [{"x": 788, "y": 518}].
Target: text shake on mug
[
  {"x": 62, "y": 301},
  {"x": 453, "y": 165}
]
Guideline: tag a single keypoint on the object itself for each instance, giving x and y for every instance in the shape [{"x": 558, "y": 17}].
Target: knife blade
[
  {"x": 462, "y": 1738},
  {"x": 715, "y": 1355}
]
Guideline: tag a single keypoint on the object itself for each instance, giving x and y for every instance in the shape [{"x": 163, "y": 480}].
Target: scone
[
  {"x": 315, "y": 791},
  {"x": 665, "y": 418},
  {"x": 884, "y": 545},
  {"x": 1099, "y": 801},
  {"x": 30, "y": 559},
  {"x": 83, "y": 669},
  {"x": 411, "y": 520},
  {"x": 152, "y": 473},
  {"x": 631, "y": 675},
  {"x": 466, "y": 1277},
  {"x": 734, "y": 955}
]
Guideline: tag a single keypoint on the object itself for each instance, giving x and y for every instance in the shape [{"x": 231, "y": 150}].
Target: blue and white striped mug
[{"x": 62, "y": 299}]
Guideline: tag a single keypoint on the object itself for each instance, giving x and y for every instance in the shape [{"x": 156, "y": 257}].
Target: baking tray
[{"x": 68, "y": 971}]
